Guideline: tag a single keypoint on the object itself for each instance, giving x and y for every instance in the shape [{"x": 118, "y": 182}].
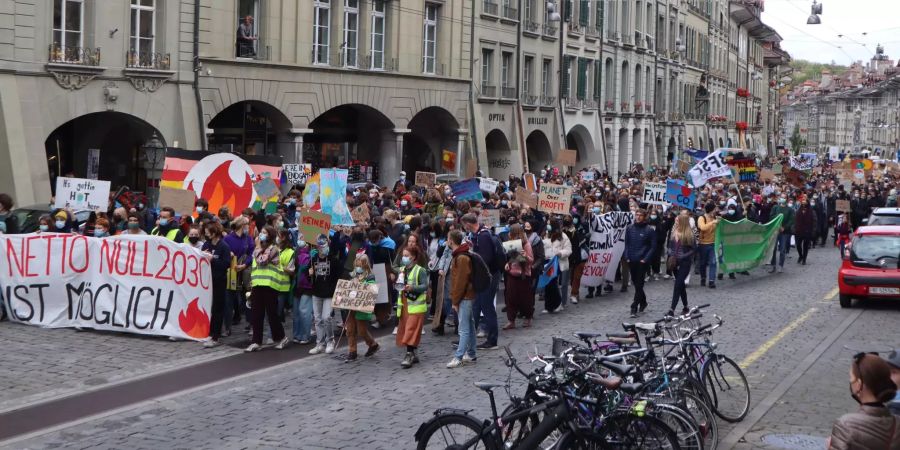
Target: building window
[
  {"x": 529, "y": 10},
  {"x": 68, "y": 23},
  {"x": 487, "y": 69},
  {"x": 527, "y": 74},
  {"x": 566, "y": 75},
  {"x": 581, "y": 87},
  {"x": 376, "y": 61},
  {"x": 143, "y": 22},
  {"x": 584, "y": 13},
  {"x": 546, "y": 77},
  {"x": 351, "y": 32},
  {"x": 321, "y": 30},
  {"x": 505, "y": 75},
  {"x": 597, "y": 81},
  {"x": 429, "y": 49},
  {"x": 248, "y": 31}
]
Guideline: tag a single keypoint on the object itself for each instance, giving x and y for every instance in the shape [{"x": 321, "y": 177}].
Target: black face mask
[
  {"x": 357, "y": 236},
  {"x": 194, "y": 239},
  {"x": 854, "y": 396}
]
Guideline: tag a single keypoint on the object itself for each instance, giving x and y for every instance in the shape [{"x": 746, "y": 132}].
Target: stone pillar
[
  {"x": 391, "y": 161},
  {"x": 460, "y": 152},
  {"x": 298, "y": 134}
]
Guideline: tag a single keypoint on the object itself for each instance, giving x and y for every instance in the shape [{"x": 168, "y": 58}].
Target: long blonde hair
[{"x": 683, "y": 234}]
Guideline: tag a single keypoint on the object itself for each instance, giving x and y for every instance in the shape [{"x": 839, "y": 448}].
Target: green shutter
[
  {"x": 597, "y": 79},
  {"x": 584, "y": 13},
  {"x": 567, "y": 14},
  {"x": 600, "y": 15},
  {"x": 582, "y": 78},
  {"x": 564, "y": 76}
]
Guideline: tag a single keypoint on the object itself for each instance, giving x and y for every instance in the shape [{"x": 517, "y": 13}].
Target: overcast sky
[{"x": 880, "y": 19}]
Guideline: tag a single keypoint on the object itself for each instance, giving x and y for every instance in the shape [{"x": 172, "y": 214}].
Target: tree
[{"x": 797, "y": 141}]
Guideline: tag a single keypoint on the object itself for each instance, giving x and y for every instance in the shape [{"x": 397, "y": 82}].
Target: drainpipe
[
  {"x": 197, "y": 67},
  {"x": 562, "y": 55},
  {"x": 473, "y": 134},
  {"x": 519, "y": 113}
]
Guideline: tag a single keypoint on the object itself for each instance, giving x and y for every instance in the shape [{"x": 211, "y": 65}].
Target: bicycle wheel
[
  {"x": 704, "y": 417},
  {"x": 682, "y": 423},
  {"x": 629, "y": 432},
  {"x": 513, "y": 432},
  {"x": 726, "y": 387},
  {"x": 453, "y": 432}
]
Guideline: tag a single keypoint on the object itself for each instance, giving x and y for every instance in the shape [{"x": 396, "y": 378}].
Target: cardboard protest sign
[
  {"x": 683, "y": 167},
  {"x": 426, "y": 179},
  {"x": 842, "y": 205},
  {"x": 82, "y": 193},
  {"x": 489, "y": 217},
  {"x": 859, "y": 175},
  {"x": 360, "y": 214},
  {"x": 530, "y": 182},
  {"x": 778, "y": 168},
  {"x": 713, "y": 166},
  {"x": 654, "y": 194},
  {"x": 606, "y": 246},
  {"x": 266, "y": 189},
  {"x": 381, "y": 280},
  {"x": 567, "y": 158},
  {"x": 127, "y": 283},
  {"x": 796, "y": 178},
  {"x": 467, "y": 190},
  {"x": 554, "y": 198},
  {"x": 744, "y": 169},
  {"x": 355, "y": 296},
  {"x": 588, "y": 176},
  {"x": 222, "y": 179},
  {"x": 296, "y": 173},
  {"x": 679, "y": 194},
  {"x": 471, "y": 168},
  {"x": 488, "y": 185},
  {"x": 526, "y": 197},
  {"x": 181, "y": 200},
  {"x": 313, "y": 223},
  {"x": 514, "y": 245},
  {"x": 766, "y": 175}
]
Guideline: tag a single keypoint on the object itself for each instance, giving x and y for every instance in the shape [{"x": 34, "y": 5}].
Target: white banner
[
  {"x": 803, "y": 161},
  {"x": 655, "y": 194},
  {"x": 488, "y": 185},
  {"x": 834, "y": 153},
  {"x": 129, "y": 283},
  {"x": 606, "y": 247},
  {"x": 81, "y": 193},
  {"x": 713, "y": 166}
]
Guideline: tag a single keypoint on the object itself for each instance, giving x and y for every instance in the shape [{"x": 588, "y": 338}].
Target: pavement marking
[
  {"x": 766, "y": 346},
  {"x": 737, "y": 433},
  {"x": 830, "y": 295}
]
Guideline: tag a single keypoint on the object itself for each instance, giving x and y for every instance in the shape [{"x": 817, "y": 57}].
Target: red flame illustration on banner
[
  {"x": 220, "y": 189},
  {"x": 194, "y": 321}
]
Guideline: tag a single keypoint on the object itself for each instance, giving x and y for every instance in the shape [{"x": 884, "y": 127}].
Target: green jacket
[{"x": 788, "y": 213}]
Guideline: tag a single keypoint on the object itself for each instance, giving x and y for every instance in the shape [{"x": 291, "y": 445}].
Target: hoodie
[
  {"x": 461, "y": 287},
  {"x": 304, "y": 282}
]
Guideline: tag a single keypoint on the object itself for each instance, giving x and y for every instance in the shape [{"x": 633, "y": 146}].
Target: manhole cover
[{"x": 794, "y": 441}]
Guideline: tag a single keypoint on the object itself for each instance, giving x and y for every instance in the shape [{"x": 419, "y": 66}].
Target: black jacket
[{"x": 326, "y": 273}]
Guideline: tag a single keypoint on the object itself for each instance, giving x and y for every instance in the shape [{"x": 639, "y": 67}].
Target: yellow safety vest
[
  {"x": 269, "y": 275},
  {"x": 420, "y": 304},
  {"x": 284, "y": 279},
  {"x": 170, "y": 235}
]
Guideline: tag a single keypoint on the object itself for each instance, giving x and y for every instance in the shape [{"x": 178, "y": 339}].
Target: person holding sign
[
  {"x": 412, "y": 304},
  {"x": 266, "y": 279},
  {"x": 325, "y": 272},
  {"x": 220, "y": 260},
  {"x": 357, "y": 321}
]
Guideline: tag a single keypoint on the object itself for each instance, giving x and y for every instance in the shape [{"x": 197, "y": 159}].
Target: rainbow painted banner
[{"x": 222, "y": 179}]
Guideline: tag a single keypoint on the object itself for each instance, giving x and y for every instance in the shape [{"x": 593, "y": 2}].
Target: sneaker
[
  {"x": 670, "y": 313},
  {"x": 560, "y": 309},
  {"x": 590, "y": 295},
  {"x": 423, "y": 330},
  {"x": 269, "y": 341},
  {"x": 780, "y": 269},
  {"x": 351, "y": 356},
  {"x": 608, "y": 288},
  {"x": 480, "y": 334},
  {"x": 656, "y": 277},
  {"x": 624, "y": 289},
  {"x": 317, "y": 349},
  {"x": 469, "y": 359},
  {"x": 667, "y": 277},
  {"x": 454, "y": 363},
  {"x": 684, "y": 311},
  {"x": 712, "y": 285},
  {"x": 633, "y": 315},
  {"x": 226, "y": 333},
  {"x": 282, "y": 343},
  {"x": 301, "y": 341},
  {"x": 395, "y": 331},
  {"x": 574, "y": 300},
  {"x": 407, "y": 361},
  {"x": 545, "y": 312},
  {"x": 253, "y": 348},
  {"x": 375, "y": 324},
  {"x": 486, "y": 346},
  {"x": 329, "y": 349},
  {"x": 371, "y": 351},
  {"x": 731, "y": 276},
  {"x": 210, "y": 343}
]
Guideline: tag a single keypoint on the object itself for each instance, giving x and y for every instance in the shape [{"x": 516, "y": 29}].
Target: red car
[{"x": 871, "y": 265}]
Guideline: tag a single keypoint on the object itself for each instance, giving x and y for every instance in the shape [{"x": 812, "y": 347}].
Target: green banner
[{"x": 745, "y": 245}]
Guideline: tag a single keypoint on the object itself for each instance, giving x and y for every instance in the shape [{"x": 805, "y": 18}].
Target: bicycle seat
[
  {"x": 611, "y": 383},
  {"x": 646, "y": 326},
  {"x": 488, "y": 387},
  {"x": 619, "y": 369},
  {"x": 585, "y": 336},
  {"x": 620, "y": 335},
  {"x": 631, "y": 388},
  {"x": 622, "y": 340}
]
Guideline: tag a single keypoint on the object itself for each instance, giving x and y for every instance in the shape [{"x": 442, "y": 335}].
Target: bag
[
  {"x": 537, "y": 249},
  {"x": 515, "y": 269},
  {"x": 481, "y": 275},
  {"x": 671, "y": 263},
  {"x": 499, "y": 261}
]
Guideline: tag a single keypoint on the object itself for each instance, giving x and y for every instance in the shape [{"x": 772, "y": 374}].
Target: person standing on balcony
[{"x": 245, "y": 39}]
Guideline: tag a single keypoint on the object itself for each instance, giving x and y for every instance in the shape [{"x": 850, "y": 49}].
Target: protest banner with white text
[{"x": 606, "y": 246}]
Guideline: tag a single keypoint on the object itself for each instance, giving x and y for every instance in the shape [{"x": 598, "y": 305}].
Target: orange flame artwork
[{"x": 194, "y": 321}]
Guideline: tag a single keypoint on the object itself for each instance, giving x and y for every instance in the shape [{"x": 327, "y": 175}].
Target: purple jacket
[
  {"x": 304, "y": 282},
  {"x": 241, "y": 247}
]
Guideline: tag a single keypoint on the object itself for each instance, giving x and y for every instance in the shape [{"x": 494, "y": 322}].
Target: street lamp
[{"x": 814, "y": 18}]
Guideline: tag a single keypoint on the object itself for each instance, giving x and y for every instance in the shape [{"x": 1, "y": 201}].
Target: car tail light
[{"x": 846, "y": 255}]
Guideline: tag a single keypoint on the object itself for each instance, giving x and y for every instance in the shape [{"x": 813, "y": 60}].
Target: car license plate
[{"x": 884, "y": 291}]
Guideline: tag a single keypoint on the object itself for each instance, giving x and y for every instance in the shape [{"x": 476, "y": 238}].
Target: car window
[
  {"x": 884, "y": 220},
  {"x": 870, "y": 250}
]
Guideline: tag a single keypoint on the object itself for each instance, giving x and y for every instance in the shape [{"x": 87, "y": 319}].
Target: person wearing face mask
[
  {"x": 402, "y": 185},
  {"x": 133, "y": 224},
  {"x": 45, "y": 224},
  {"x": 707, "y": 224},
  {"x": 219, "y": 255},
  {"x": 266, "y": 280},
  {"x": 167, "y": 226},
  {"x": 640, "y": 245},
  {"x": 288, "y": 268},
  {"x": 325, "y": 271},
  {"x": 62, "y": 222},
  {"x": 238, "y": 281},
  {"x": 357, "y": 323},
  {"x": 9, "y": 223},
  {"x": 202, "y": 211},
  {"x": 820, "y": 210},
  {"x": 872, "y": 426},
  {"x": 858, "y": 210},
  {"x": 804, "y": 230},
  {"x": 661, "y": 223},
  {"x": 101, "y": 228},
  {"x": 783, "y": 243},
  {"x": 302, "y": 310},
  {"x": 581, "y": 241},
  {"x": 412, "y": 304}
]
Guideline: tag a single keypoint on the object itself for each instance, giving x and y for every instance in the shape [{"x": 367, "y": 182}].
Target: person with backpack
[
  {"x": 519, "y": 292},
  {"x": 488, "y": 246},
  {"x": 462, "y": 296}
]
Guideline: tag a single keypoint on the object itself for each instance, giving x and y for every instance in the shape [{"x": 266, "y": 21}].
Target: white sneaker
[
  {"x": 375, "y": 324},
  {"x": 573, "y": 300},
  {"x": 269, "y": 341},
  {"x": 174, "y": 339},
  {"x": 666, "y": 277},
  {"x": 466, "y": 359},
  {"x": 423, "y": 330},
  {"x": 395, "y": 331},
  {"x": 656, "y": 277},
  {"x": 252, "y": 348},
  {"x": 210, "y": 344},
  {"x": 780, "y": 269},
  {"x": 561, "y": 308},
  {"x": 330, "y": 347},
  {"x": 454, "y": 363},
  {"x": 317, "y": 349},
  {"x": 282, "y": 343},
  {"x": 480, "y": 334},
  {"x": 544, "y": 311}
]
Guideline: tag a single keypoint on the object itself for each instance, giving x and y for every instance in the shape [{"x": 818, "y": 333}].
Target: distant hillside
[{"x": 808, "y": 70}]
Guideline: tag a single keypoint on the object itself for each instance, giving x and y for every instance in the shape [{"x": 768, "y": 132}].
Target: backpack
[
  {"x": 537, "y": 249},
  {"x": 481, "y": 275},
  {"x": 499, "y": 261}
]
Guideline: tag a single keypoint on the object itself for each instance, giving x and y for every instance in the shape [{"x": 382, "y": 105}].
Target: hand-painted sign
[
  {"x": 82, "y": 193},
  {"x": 679, "y": 194},
  {"x": 554, "y": 198},
  {"x": 654, "y": 194}
]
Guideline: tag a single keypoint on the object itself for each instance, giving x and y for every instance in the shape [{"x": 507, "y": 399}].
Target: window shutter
[
  {"x": 582, "y": 78},
  {"x": 567, "y": 62},
  {"x": 568, "y": 11},
  {"x": 597, "y": 79},
  {"x": 584, "y": 13}
]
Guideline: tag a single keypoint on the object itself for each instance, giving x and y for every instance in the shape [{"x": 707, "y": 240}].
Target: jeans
[
  {"x": 233, "y": 300},
  {"x": 782, "y": 245},
  {"x": 708, "y": 260},
  {"x": 324, "y": 322},
  {"x": 564, "y": 281},
  {"x": 638, "y": 271},
  {"x": 283, "y": 299},
  {"x": 484, "y": 304},
  {"x": 303, "y": 317},
  {"x": 466, "y": 330},
  {"x": 680, "y": 291}
]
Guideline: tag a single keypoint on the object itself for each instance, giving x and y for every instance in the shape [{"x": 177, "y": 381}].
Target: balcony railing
[
  {"x": 574, "y": 27},
  {"x": 639, "y": 39},
  {"x": 146, "y": 60},
  {"x": 529, "y": 100},
  {"x": 628, "y": 40},
  {"x": 550, "y": 30},
  {"x": 532, "y": 27},
  {"x": 491, "y": 8},
  {"x": 383, "y": 63},
  {"x": 624, "y": 106},
  {"x": 510, "y": 13},
  {"x": 74, "y": 55},
  {"x": 609, "y": 106},
  {"x": 548, "y": 101},
  {"x": 593, "y": 32},
  {"x": 589, "y": 103},
  {"x": 488, "y": 90},
  {"x": 573, "y": 102},
  {"x": 508, "y": 92}
]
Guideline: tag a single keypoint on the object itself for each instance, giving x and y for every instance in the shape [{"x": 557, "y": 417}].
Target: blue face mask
[
  {"x": 549, "y": 228},
  {"x": 405, "y": 260},
  {"x": 323, "y": 251},
  {"x": 595, "y": 210},
  {"x": 44, "y": 227},
  {"x": 301, "y": 243},
  {"x": 163, "y": 222},
  {"x": 60, "y": 224},
  {"x": 503, "y": 202},
  {"x": 359, "y": 270},
  {"x": 199, "y": 209},
  {"x": 263, "y": 237},
  {"x": 98, "y": 232},
  {"x": 403, "y": 203}
]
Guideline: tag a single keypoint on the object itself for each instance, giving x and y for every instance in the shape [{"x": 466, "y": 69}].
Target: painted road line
[
  {"x": 763, "y": 349},
  {"x": 757, "y": 413},
  {"x": 830, "y": 295}
]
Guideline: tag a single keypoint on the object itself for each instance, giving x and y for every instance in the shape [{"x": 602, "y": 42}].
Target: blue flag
[{"x": 551, "y": 270}]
